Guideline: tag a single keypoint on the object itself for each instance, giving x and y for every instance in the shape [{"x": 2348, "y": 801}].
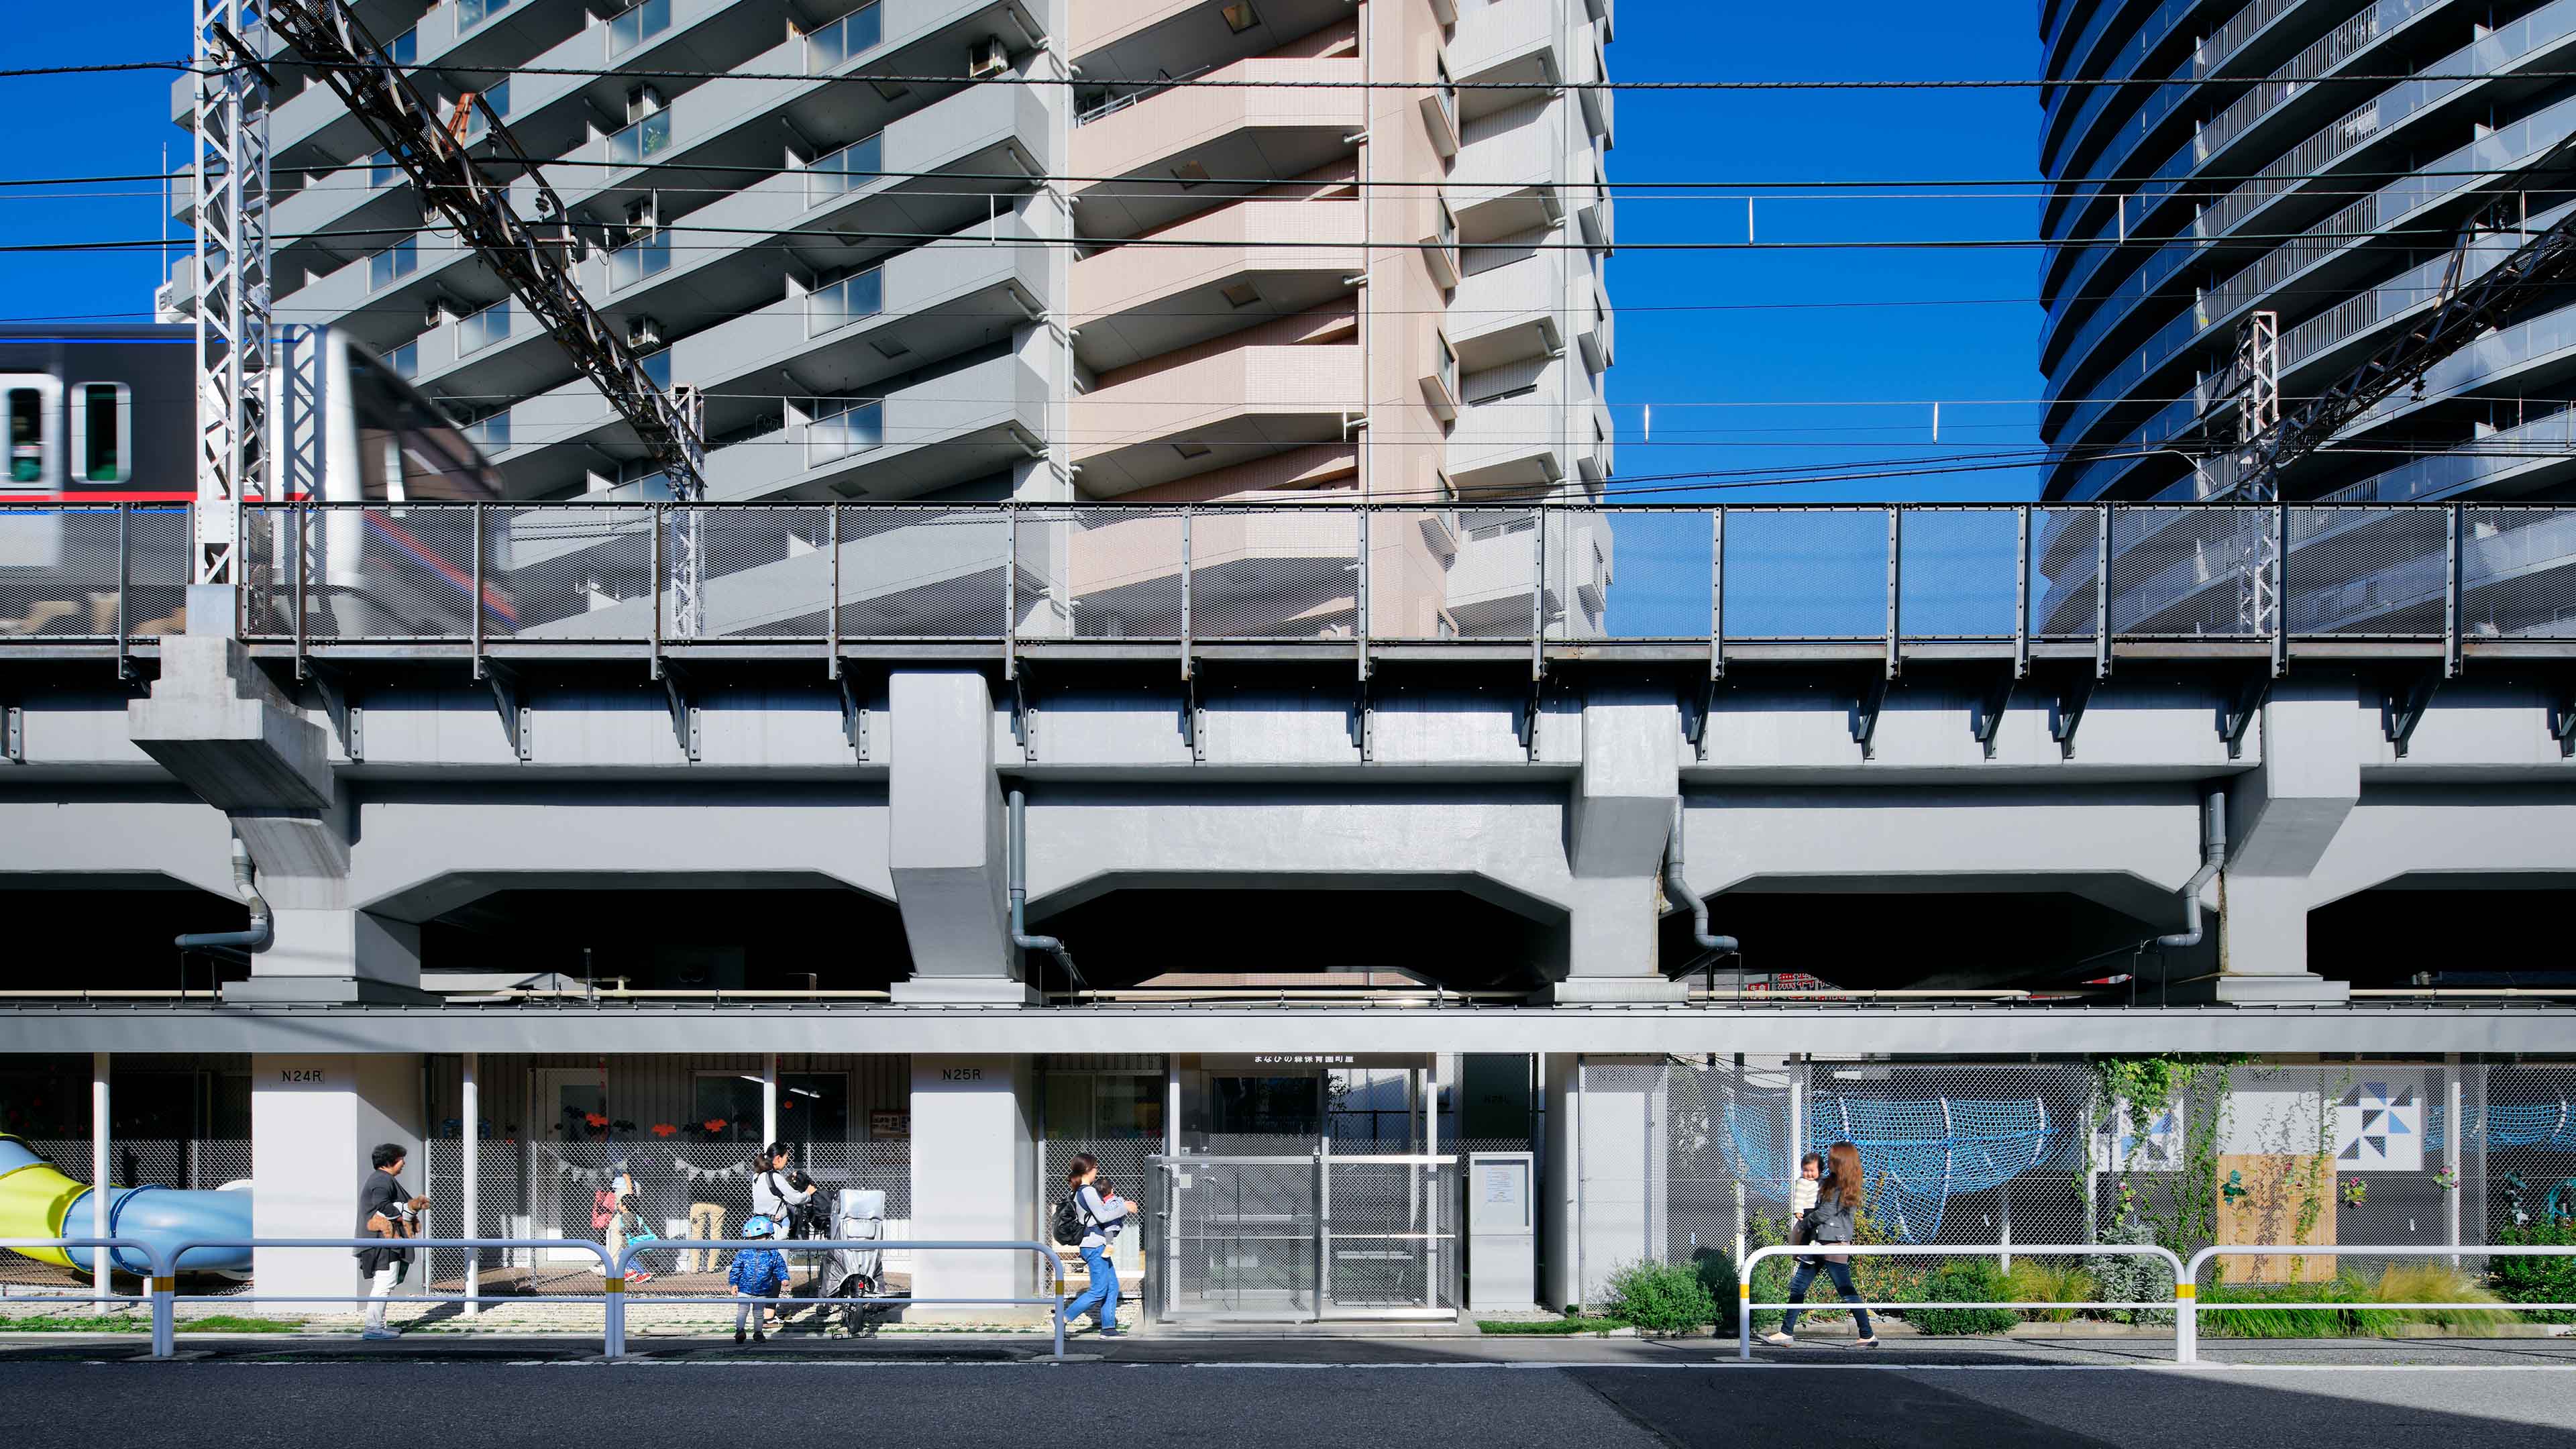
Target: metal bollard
[
  {"x": 2186, "y": 1321},
  {"x": 1744, "y": 1317},
  {"x": 165, "y": 1325},
  {"x": 613, "y": 1317}
]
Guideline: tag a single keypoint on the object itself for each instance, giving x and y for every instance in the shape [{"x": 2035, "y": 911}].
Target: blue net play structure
[
  {"x": 2550, "y": 1126},
  {"x": 1919, "y": 1153}
]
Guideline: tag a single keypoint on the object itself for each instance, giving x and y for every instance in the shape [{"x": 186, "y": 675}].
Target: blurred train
[{"x": 104, "y": 415}]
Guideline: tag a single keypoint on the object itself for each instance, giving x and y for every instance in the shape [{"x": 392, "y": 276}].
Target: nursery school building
[{"x": 1287, "y": 1187}]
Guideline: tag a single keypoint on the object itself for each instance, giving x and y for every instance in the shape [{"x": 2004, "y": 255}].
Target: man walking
[{"x": 385, "y": 1210}]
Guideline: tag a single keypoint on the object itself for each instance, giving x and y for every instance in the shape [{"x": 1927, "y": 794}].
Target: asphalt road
[{"x": 457, "y": 1403}]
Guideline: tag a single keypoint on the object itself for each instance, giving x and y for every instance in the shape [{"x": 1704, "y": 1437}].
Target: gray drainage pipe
[
  {"x": 243, "y": 944},
  {"x": 1020, "y": 936},
  {"x": 1681, "y": 892},
  {"x": 2213, "y": 850}
]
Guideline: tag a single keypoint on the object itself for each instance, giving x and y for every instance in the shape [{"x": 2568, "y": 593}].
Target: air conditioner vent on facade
[
  {"x": 644, "y": 333},
  {"x": 987, "y": 57}
]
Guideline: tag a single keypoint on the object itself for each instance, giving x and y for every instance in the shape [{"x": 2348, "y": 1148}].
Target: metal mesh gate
[{"x": 1297, "y": 1233}]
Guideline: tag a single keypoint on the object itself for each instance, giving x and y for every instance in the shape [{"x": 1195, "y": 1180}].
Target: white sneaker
[
  {"x": 1779, "y": 1340},
  {"x": 380, "y": 1333}
]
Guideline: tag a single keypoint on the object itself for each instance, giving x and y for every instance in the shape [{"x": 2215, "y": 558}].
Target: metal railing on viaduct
[{"x": 788, "y": 579}]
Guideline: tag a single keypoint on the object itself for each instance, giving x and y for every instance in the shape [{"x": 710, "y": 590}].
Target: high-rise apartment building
[
  {"x": 1056, "y": 251},
  {"x": 2262, "y": 179}
]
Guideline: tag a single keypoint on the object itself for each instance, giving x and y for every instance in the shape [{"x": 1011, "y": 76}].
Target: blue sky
[{"x": 1730, "y": 350}]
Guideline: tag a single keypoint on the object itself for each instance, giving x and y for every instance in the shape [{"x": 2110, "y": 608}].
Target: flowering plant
[
  {"x": 2355, "y": 1192},
  {"x": 663, "y": 1129},
  {"x": 2446, "y": 1178}
]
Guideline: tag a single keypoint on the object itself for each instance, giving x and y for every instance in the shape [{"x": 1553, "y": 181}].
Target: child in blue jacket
[{"x": 756, "y": 1273}]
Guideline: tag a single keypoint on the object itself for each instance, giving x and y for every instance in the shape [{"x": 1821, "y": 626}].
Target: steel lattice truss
[
  {"x": 231, "y": 180},
  {"x": 404, "y": 123}
]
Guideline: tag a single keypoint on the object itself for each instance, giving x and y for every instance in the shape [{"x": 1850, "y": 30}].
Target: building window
[
  {"x": 470, "y": 13},
  {"x": 1239, "y": 16},
  {"x": 1448, "y": 96},
  {"x": 30, "y": 456},
  {"x": 657, "y": 366},
  {"x": 853, "y": 34},
  {"x": 1448, "y": 365},
  {"x": 844, "y": 302},
  {"x": 403, "y": 49},
  {"x": 393, "y": 264},
  {"x": 648, "y": 18},
  {"x": 641, "y": 142},
  {"x": 812, "y": 1106},
  {"x": 646, "y": 256},
  {"x": 104, "y": 425},
  {"x": 484, "y": 328},
  {"x": 492, "y": 434},
  {"x": 843, "y": 426},
  {"x": 404, "y": 361},
  {"x": 381, "y": 170},
  {"x": 845, "y": 170}
]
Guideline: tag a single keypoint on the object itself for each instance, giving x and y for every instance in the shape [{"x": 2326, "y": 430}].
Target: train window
[
  {"x": 29, "y": 406},
  {"x": 104, "y": 420}
]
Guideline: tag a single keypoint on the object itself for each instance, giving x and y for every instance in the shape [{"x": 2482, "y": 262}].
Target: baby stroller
[{"x": 858, "y": 1273}]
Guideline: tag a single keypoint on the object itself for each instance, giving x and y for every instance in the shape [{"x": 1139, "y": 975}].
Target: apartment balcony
[
  {"x": 1173, "y": 37},
  {"x": 1519, "y": 440},
  {"x": 1227, "y": 408},
  {"x": 955, "y": 428},
  {"x": 916, "y": 309},
  {"x": 1285, "y": 572},
  {"x": 1191, "y": 135},
  {"x": 1509, "y": 173},
  {"x": 1506, "y": 42},
  {"x": 1499, "y": 568},
  {"x": 1514, "y": 308},
  {"x": 465, "y": 35},
  {"x": 1248, "y": 261},
  {"x": 1596, "y": 331}
]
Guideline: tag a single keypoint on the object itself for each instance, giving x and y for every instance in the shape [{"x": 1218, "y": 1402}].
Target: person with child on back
[
  {"x": 757, "y": 1273},
  {"x": 1090, "y": 1216},
  {"x": 1831, "y": 1217}
]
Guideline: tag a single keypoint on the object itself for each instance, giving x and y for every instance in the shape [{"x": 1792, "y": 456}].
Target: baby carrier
[{"x": 858, "y": 1273}]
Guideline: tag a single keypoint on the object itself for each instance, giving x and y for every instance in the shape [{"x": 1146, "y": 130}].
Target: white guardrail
[
  {"x": 1744, "y": 1281},
  {"x": 2185, "y": 1305},
  {"x": 163, "y": 1285},
  {"x": 2188, "y": 1307}
]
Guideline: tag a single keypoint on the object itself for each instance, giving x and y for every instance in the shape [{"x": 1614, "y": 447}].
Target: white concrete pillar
[
  {"x": 314, "y": 1120},
  {"x": 2281, "y": 817},
  {"x": 101, "y": 1260},
  {"x": 974, "y": 1178},
  {"x": 470, "y": 1105},
  {"x": 1560, "y": 1181},
  {"x": 944, "y": 845},
  {"x": 1617, "y": 822},
  {"x": 768, "y": 1099}
]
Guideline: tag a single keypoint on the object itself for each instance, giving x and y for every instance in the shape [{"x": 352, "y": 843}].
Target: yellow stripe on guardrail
[
  {"x": 2186, "y": 1290},
  {"x": 1744, "y": 1291},
  {"x": 616, "y": 1285},
  {"x": 165, "y": 1285}
]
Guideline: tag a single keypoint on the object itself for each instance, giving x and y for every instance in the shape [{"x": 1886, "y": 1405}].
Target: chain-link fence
[
  {"x": 684, "y": 1191},
  {"x": 1680, "y": 1159}
]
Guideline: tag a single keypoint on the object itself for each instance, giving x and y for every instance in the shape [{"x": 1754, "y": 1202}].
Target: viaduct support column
[
  {"x": 974, "y": 1179},
  {"x": 2281, "y": 816},
  {"x": 1616, "y": 825},
  {"x": 945, "y": 840},
  {"x": 226, "y": 731},
  {"x": 314, "y": 1120}
]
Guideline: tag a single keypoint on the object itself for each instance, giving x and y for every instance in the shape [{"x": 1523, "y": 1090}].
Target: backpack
[
  {"x": 1068, "y": 1227},
  {"x": 603, "y": 1207}
]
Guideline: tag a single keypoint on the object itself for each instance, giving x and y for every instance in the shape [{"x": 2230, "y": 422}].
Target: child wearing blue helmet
[{"x": 757, "y": 1273}]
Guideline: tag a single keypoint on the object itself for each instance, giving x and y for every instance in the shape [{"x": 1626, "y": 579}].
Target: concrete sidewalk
[{"x": 1304, "y": 1349}]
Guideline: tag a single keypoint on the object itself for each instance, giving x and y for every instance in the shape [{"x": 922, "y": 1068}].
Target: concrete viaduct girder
[{"x": 376, "y": 802}]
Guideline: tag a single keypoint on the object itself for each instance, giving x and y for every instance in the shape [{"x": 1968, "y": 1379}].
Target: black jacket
[
  {"x": 1830, "y": 1221},
  {"x": 381, "y": 1197}
]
